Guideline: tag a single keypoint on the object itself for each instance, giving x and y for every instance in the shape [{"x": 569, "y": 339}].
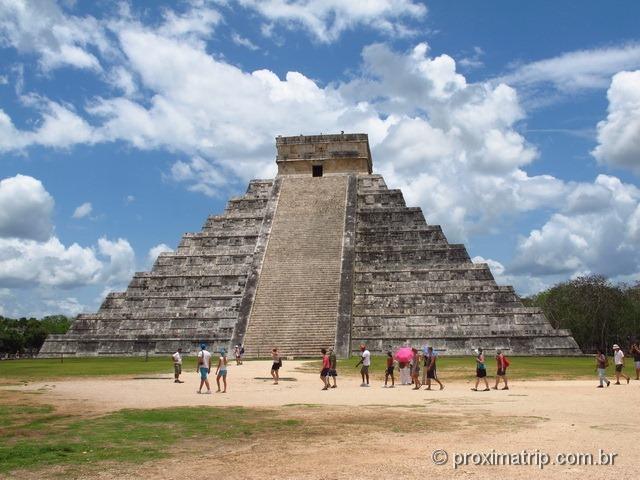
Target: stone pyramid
[{"x": 324, "y": 254}]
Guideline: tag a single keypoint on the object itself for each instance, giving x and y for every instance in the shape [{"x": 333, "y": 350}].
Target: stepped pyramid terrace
[{"x": 323, "y": 255}]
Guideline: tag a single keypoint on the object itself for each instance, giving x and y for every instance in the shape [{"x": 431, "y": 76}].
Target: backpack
[
  {"x": 506, "y": 362},
  {"x": 241, "y": 350}
]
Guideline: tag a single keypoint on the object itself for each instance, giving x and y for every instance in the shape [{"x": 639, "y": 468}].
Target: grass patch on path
[
  {"x": 35, "y": 436},
  {"x": 457, "y": 368}
]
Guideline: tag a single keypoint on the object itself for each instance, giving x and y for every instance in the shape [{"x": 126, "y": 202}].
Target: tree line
[
  {"x": 598, "y": 312},
  {"x": 26, "y": 335}
]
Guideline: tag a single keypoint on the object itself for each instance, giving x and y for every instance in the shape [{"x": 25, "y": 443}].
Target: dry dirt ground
[{"x": 377, "y": 433}]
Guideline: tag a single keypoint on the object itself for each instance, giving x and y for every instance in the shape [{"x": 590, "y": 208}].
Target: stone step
[{"x": 300, "y": 279}]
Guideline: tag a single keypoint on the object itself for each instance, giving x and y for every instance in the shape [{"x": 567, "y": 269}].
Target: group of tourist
[
  {"x": 409, "y": 368},
  {"x": 203, "y": 367},
  {"x": 602, "y": 362},
  {"x": 426, "y": 361}
]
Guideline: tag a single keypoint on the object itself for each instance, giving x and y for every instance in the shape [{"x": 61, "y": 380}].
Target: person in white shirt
[
  {"x": 204, "y": 367},
  {"x": 618, "y": 359},
  {"x": 365, "y": 361},
  {"x": 177, "y": 365}
]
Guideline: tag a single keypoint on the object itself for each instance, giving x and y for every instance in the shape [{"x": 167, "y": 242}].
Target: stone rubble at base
[{"x": 302, "y": 262}]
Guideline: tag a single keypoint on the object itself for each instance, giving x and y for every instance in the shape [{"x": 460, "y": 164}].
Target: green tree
[{"x": 597, "y": 312}]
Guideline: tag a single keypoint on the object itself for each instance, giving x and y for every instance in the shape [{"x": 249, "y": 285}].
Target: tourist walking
[
  {"x": 635, "y": 351},
  {"x": 425, "y": 364},
  {"x": 176, "y": 358},
  {"x": 221, "y": 370},
  {"x": 389, "y": 371},
  {"x": 481, "y": 371},
  {"x": 432, "y": 372},
  {"x": 275, "y": 367},
  {"x": 204, "y": 367},
  {"x": 618, "y": 360},
  {"x": 333, "y": 367},
  {"x": 601, "y": 367},
  {"x": 501, "y": 374},
  {"x": 365, "y": 361},
  {"x": 324, "y": 370},
  {"x": 415, "y": 369},
  {"x": 237, "y": 355}
]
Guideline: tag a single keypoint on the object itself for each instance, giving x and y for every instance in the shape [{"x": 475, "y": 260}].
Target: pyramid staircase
[{"x": 296, "y": 303}]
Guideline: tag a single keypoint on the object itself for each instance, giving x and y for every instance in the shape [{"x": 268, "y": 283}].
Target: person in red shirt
[
  {"x": 326, "y": 366},
  {"x": 501, "y": 374}
]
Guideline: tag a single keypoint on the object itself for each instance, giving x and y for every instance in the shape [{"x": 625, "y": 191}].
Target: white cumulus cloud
[
  {"x": 326, "y": 20},
  {"x": 25, "y": 209},
  {"x": 598, "y": 231},
  {"x": 58, "y": 39},
  {"x": 619, "y": 134},
  {"x": 83, "y": 210}
]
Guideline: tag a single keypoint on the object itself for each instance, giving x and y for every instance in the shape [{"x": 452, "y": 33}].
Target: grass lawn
[
  {"x": 52, "y": 368},
  {"x": 34, "y": 436},
  {"x": 523, "y": 368},
  {"x": 449, "y": 367}
]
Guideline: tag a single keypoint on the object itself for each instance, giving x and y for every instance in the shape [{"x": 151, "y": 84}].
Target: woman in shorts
[
  {"x": 221, "y": 370},
  {"x": 277, "y": 363},
  {"x": 481, "y": 371}
]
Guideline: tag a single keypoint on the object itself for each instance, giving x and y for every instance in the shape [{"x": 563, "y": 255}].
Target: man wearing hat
[
  {"x": 618, "y": 359},
  {"x": 204, "y": 367}
]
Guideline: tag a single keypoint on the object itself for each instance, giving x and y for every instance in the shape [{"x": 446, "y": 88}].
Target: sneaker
[
  {"x": 334, "y": 386},
  {"x": 486, "y": 390},
  {"x": 208, "y": 392},
  {"x": 198, "y": 391},
  {"x": 363, "y": 384},
  {"x": 608, "y": 383},
  {"x": 392, "y": 386},
  {"x": 628, "y": 380},
  {"x": 505, "y": 388},
  {"x": 600, "y": 386}
]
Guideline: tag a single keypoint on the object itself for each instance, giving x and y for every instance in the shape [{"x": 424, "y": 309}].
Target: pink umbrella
[{"x": 404, "y": 354}]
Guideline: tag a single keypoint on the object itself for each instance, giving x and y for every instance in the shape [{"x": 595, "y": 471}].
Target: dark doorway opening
[{"x": 316, "y": 170}]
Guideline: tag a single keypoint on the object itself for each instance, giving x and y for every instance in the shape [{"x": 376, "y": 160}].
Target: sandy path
[{"x": 551, "y": 417}]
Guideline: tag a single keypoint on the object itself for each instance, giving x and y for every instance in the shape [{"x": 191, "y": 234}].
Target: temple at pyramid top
[
  {"x": 324, "y": 255},
  {"x": 320, "y": 155}
]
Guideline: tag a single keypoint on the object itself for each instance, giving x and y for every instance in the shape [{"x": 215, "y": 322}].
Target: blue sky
[{"x": 514, "y": 125}]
